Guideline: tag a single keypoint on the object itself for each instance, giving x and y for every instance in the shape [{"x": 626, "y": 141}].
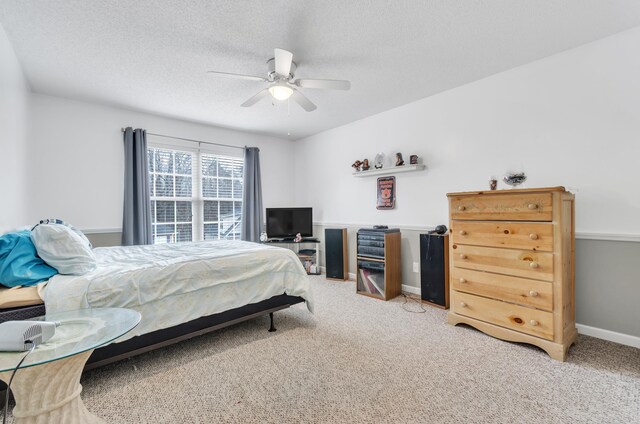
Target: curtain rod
[{"x": 189, "y": 139}]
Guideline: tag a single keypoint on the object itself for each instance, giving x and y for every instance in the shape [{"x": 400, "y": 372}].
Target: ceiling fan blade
[
  {"x": 283, "y": 62},
  {"x": 324, "y": 83},
  {"x": 240, "y": 76},
  {"x": 253, "y": 100},
  {"x": 306, "y": 104}
]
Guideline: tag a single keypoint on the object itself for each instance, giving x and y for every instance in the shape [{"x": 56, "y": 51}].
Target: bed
[
  {"x": 182, "y": 290},
  {"x": 20, "y": 297}
]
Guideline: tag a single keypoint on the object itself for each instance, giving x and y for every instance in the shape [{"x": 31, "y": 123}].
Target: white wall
[
  {"x": 77, "y": 159},
  {"x": 14, "y": 110},
  {"x": 572, "y": 119}
]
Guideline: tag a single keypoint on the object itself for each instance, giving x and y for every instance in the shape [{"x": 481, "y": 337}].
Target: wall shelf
[{"x": 389, "y": 171}]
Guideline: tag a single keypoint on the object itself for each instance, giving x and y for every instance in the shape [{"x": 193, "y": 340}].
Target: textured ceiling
[{"x": 152, "y": 55}]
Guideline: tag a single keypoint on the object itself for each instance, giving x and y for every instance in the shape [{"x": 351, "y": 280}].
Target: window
[
  {"x": 194, "y": 195},
  {"x": 222, "y": 196}
]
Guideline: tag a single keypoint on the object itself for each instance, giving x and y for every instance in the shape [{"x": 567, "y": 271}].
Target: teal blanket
[{"x": 19, "y": 261}]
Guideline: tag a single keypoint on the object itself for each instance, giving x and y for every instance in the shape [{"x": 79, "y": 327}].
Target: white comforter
[{"x": 174, "y": 283}]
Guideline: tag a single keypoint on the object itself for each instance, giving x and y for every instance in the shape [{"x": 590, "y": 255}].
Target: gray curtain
[
  {"x": 252, "y": 217},
  {"x": 136, "y": 223}
]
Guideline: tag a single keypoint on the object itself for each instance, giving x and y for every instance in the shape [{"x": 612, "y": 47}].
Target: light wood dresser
[{"x": 512, "y": 265}]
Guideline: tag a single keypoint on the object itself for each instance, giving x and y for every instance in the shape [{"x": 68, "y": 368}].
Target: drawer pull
[
  {"x": 463, "y": 280},
  {"x": 534, "y": 323},
  {"x": 461, "y": 208},
  {"x": 463, "y": 233},
  {"x": 534, "y": 265},
  {"x": 532, "y": 206},
  {"x": 533, "y": 293},
  {"x": 463, "y": 305},
  {"x": 463, "y": 256},
  {"x": 533, "y": 236}
]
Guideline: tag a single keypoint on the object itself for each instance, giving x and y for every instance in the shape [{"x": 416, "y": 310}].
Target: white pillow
[
  {"x": 61, "y": 222},
  {"x": 62, "y": 248}
]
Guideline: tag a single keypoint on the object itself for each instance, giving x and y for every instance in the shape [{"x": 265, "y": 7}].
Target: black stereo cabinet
[
  {"x": 336, "y": 254},
  {"x": 434, "y": 269}
]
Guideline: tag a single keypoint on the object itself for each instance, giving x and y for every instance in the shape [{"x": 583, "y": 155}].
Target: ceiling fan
[{"x": 282, "y": 85}]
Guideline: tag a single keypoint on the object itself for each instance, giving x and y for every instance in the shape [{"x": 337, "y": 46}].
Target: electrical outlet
[{"x": 416, "y": 267}]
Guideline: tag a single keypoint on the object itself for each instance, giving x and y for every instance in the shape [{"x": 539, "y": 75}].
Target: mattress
[
  {"x": 20, "y": 296},
  {"x": 171, "y": 284}
]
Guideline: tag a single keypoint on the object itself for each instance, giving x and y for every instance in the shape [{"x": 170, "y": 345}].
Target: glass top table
[{"x": 79, "y": 331}]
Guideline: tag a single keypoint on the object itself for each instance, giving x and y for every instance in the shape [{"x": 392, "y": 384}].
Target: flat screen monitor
[{"x": 287, "y": 222}]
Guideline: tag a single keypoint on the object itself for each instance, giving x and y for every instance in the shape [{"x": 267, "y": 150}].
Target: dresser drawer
[
  {"x": 515, "y": 235},
  {"x": 520, "y": 263},
  {"x": 514, "y": 207},
  {"x": 523, "y": 291},
  {"x": 526, "y": 320}
]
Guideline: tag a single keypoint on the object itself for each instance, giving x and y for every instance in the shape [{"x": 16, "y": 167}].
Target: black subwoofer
[
  {"x": 336, "y": 259},
  {"x": 434, "y": 269}
]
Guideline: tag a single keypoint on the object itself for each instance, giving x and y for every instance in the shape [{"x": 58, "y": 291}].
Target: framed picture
[{"x": 386, "y": 193}]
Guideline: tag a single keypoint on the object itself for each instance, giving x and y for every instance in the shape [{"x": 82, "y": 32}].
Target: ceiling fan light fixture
[
  {"x": 282, "y": 86},
  {"x": 280, "y": 92}
]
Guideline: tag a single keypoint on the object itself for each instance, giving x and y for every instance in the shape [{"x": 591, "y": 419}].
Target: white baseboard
[
  {"x": 612, "y": 336},
  {"x": 410, "y": 289},
  {"x": 323, "y": 270},
  {"x": 405, "y": 288}
]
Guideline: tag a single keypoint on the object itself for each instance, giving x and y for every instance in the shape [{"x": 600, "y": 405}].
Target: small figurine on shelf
[
  {"x": 356, "y": 165},
  {"x": 378, "y": 162},
  {"x": 298, "y": 238},
  {"x": 399, "y": 160},
  {"x": 413, "y": 159},
  {"x": 365, "y": 165}
]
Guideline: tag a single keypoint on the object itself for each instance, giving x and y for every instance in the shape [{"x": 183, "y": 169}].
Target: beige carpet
[{"x": 360, "y": 360}]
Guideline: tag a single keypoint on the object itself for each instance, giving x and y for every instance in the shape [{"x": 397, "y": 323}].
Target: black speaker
[
  {"x": 434, "y": 269},
  {"x": 336, "y": 259}
]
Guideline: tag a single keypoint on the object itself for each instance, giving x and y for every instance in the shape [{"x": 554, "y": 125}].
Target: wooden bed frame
[{"x": 157, "y": 339}]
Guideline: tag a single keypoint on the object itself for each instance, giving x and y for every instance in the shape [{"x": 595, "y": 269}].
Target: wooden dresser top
[{"x": 508, "y": 191}]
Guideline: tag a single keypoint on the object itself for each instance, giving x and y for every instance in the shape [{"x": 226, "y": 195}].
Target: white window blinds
[{"x": 194, "y": 195}]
